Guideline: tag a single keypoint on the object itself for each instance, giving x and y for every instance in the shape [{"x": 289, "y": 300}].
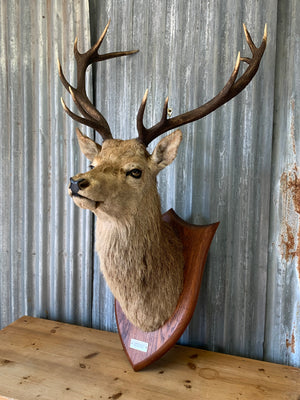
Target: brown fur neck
[{"x": 134, "y": 251}]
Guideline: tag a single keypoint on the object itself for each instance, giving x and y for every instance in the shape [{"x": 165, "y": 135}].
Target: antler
[
  {"x": 91, "y": 116},
  {"x": 232, "y": 88}
]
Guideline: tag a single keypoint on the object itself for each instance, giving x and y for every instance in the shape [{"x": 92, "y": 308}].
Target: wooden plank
[{"x": 45, "y": 360}]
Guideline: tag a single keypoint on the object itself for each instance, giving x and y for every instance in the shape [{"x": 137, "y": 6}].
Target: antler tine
[
  {"x": 96, "y": 46},
  {"x": 232, "y": 88},
  {"x": 140, "y": 115},
  {"x": 91, "y": 116},
  {"x": 92, "y": 124},
  {"x": 144, "y": 133},
  {"x": 257, "y": 53}
]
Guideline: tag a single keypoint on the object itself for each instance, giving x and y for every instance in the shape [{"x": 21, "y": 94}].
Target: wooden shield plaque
[{"x": 143, "y": 348}]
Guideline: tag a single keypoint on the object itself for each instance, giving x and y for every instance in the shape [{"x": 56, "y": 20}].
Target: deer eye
[
  {"x": 91, "y": 166},
  {"x": 135, "y": 173}
]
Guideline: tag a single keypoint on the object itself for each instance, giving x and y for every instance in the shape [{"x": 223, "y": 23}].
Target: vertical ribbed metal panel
[
  {"x": 228, "y": 167},
  {"x": 45, "y": 241},
  {"x": 282, "y": 340}
]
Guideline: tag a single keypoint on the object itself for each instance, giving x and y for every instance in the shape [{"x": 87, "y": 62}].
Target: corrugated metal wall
[
  {"x": 282, "y": 338},
  {"x": 46, "y": 267},
  {"x": 237, "y": 166}
]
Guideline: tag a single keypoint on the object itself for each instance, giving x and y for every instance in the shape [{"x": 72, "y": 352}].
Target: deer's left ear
[{"x": 166, "y": 150}]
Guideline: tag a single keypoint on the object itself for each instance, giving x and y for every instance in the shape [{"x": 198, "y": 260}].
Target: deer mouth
[
  {"x": 79, "y": 195},
  {"x": 84, "y": 202}
]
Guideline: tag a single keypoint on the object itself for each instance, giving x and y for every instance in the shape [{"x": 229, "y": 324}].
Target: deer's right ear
[
  {"x": 88, "y": 147},
  {"x": 166, "y": 150}
]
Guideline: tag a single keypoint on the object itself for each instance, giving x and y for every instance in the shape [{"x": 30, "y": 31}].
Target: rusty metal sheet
[{"x": 282, "y": 338}]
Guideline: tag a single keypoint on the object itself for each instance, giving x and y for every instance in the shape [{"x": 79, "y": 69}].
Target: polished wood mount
[{"x": 143, "y": 348}]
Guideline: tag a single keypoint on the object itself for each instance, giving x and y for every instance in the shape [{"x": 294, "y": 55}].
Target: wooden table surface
[{"x": 41, "y": 359}]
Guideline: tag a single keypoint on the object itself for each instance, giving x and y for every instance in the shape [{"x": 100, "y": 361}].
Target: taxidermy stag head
[{"x": 141, "y": 257}]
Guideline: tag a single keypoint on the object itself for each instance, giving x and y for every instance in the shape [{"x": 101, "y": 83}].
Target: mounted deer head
[{"x": 141, "y": 257}]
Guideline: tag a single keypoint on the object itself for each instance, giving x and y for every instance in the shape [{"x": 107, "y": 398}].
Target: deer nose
[{"x": 75, "y": 186}]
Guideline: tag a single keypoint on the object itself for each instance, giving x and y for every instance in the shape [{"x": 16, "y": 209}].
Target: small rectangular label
[{"x": 139, "y": 345}]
